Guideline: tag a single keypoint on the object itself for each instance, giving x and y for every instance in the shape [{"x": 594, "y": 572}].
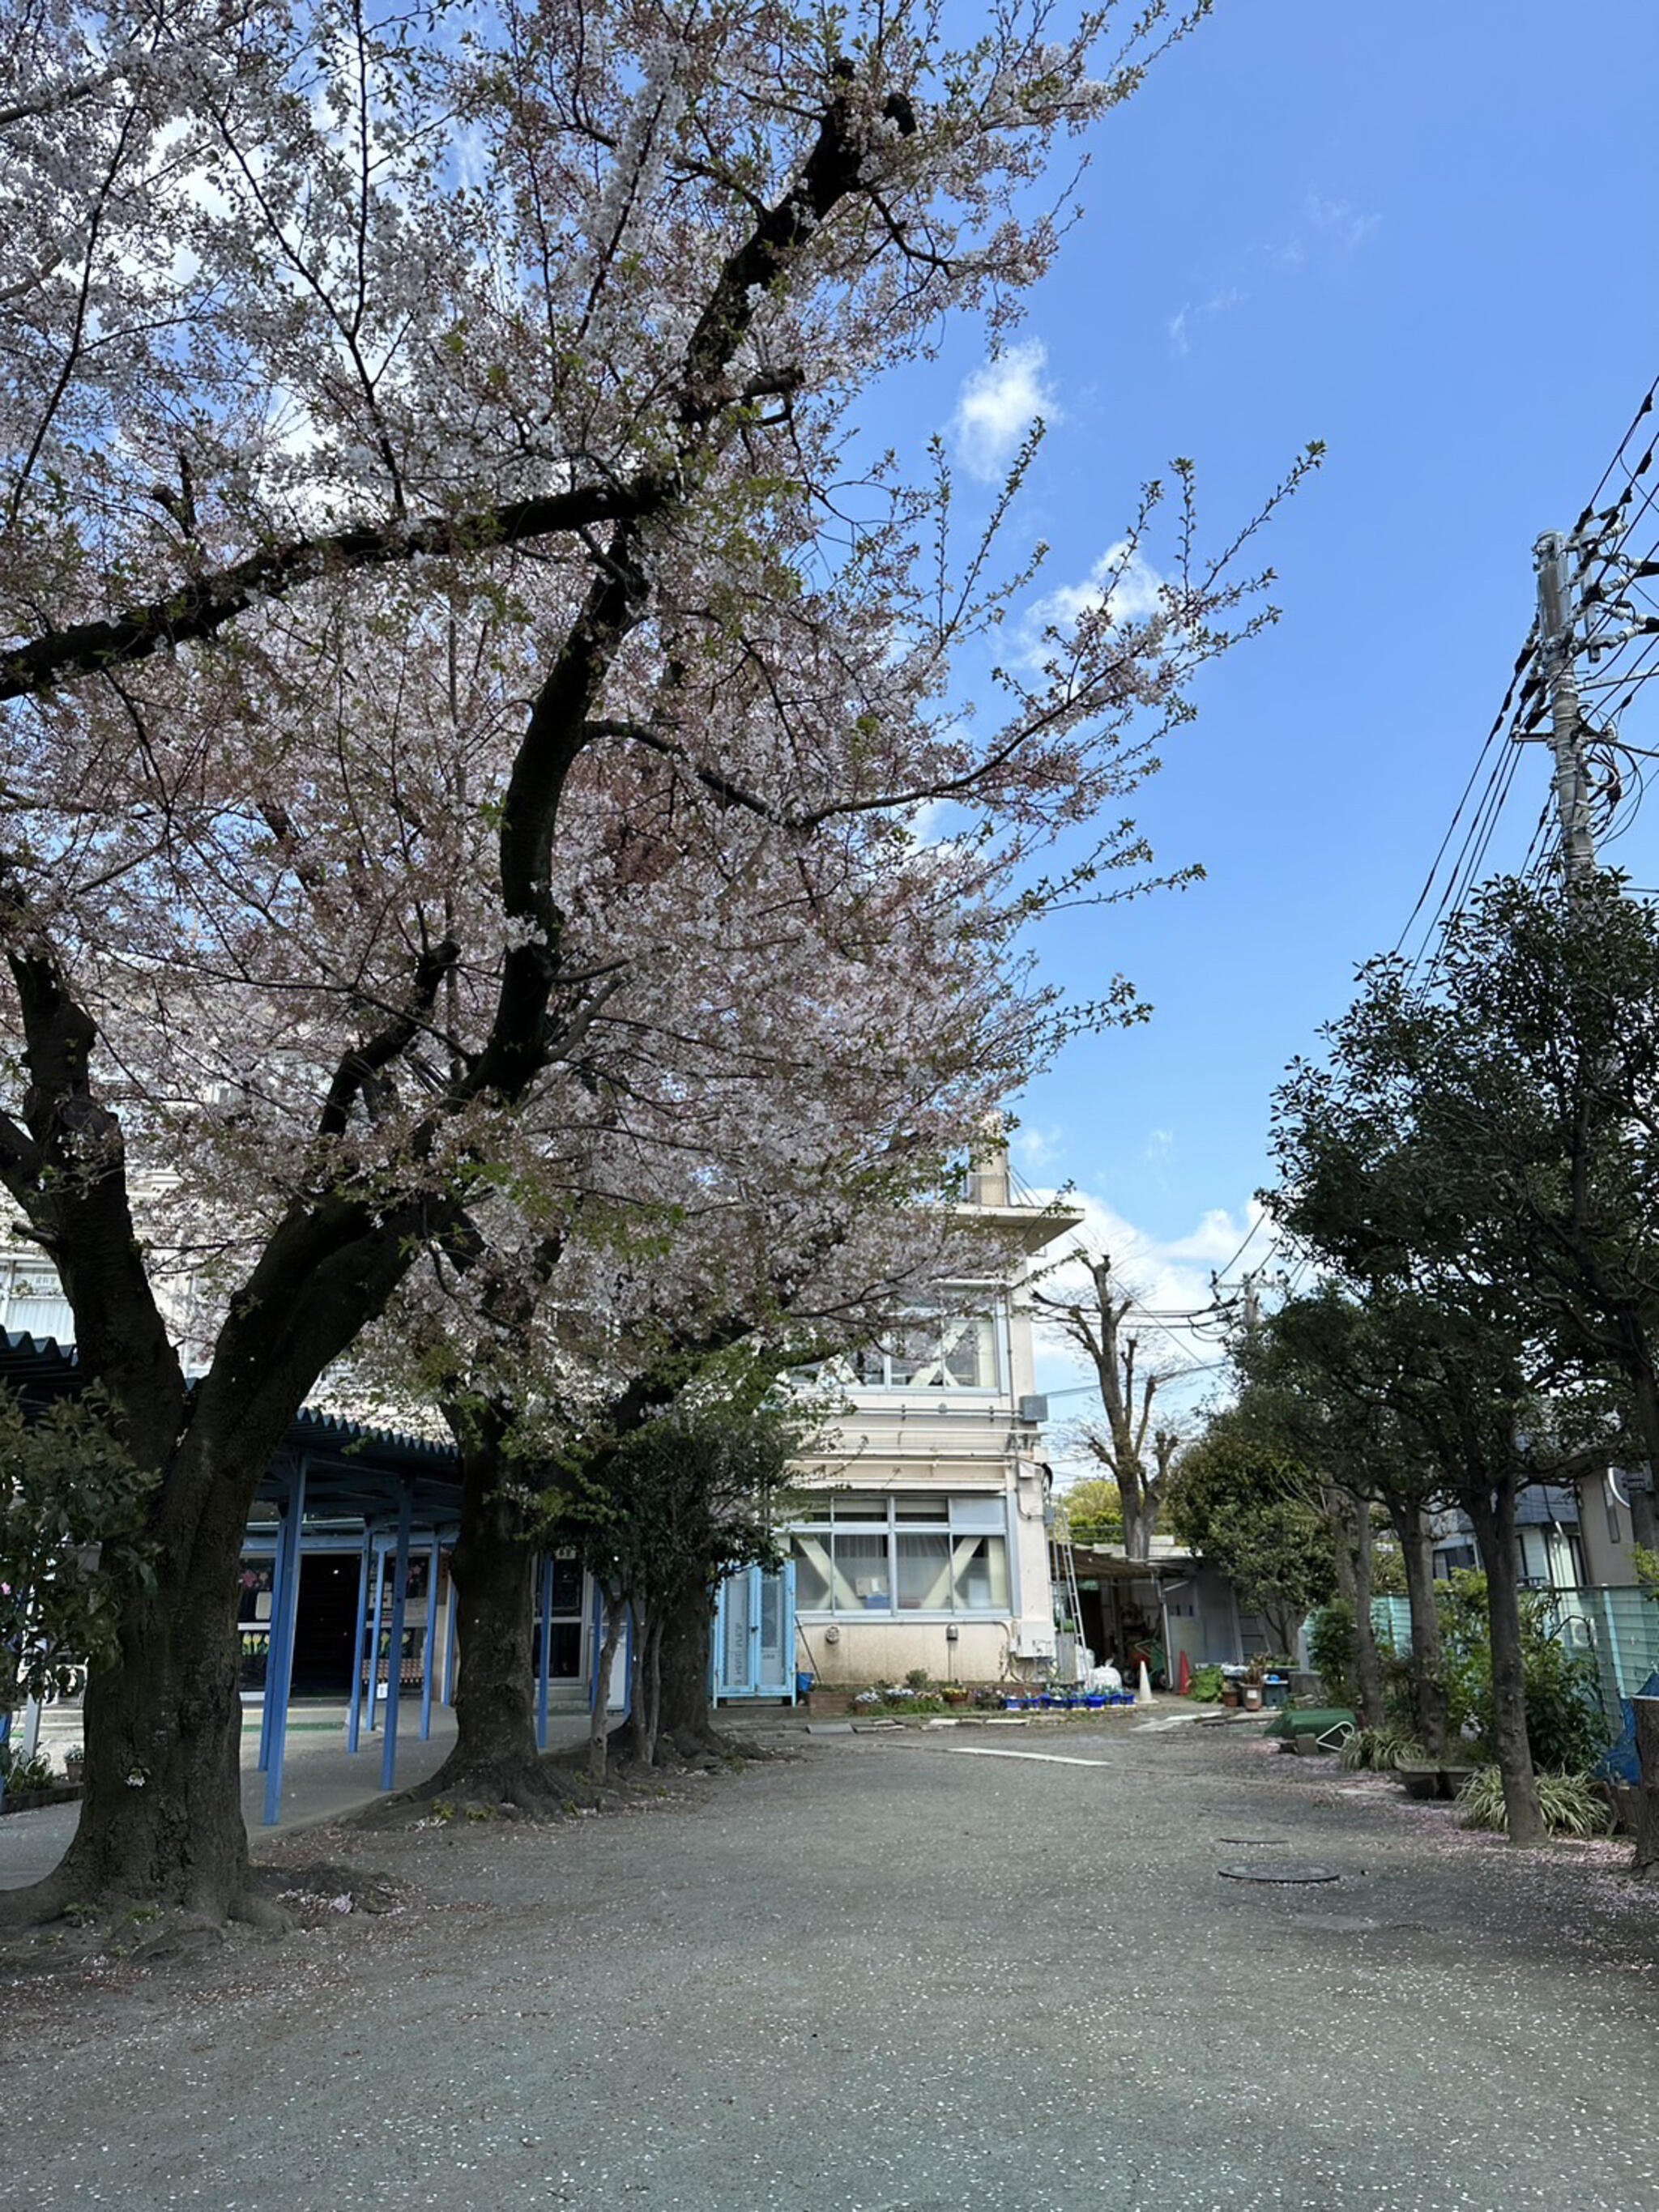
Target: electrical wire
[{"x": 1615, "y": 591}]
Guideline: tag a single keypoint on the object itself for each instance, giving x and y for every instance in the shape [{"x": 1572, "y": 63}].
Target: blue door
[{"x": 755, "y": 1634}]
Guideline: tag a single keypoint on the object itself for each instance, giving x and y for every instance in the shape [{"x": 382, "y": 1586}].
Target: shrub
[
  {"x": 1565, "y": 1723},
  {"x": 1205, "y": 1685},
  {"x": 1565, "y": 1727},
  {"x": 1398, "y": 1693},
  {"x": 1380, "y": 1748},
  {"x": 1334, "y": 1650},
  {"x": 20, "y": 1773},
  {"x": 1572, "y": 1804}
]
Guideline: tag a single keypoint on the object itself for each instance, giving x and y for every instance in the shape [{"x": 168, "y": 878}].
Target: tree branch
[
  {"x": 355, "y": 1075},
  {"x": 201, "y": 605}
]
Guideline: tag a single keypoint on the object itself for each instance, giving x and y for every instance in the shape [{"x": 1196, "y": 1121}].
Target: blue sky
[{"x": 1422, "y": 234}]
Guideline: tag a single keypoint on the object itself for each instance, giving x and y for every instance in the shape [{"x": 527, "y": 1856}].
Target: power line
[{"x": 1612, "y": 625}]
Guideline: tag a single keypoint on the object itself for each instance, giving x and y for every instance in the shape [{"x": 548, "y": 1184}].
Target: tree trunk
[
  {"x": 161, "y": 1817},
  {"x": 639, "y": 1699},
  {"x": 1493, "y": 1515},
  {"x": 495, "y": 1753},
  {"x": 1351, "y": 1527},
  {"x": 1428, "y": 1677},
  {"x": 650, "y": 1685},
  {"x": 686, "y": 1629},
  {"x": 616, "y": 1607},
  {"x": 1644, "y": 1865},
  {"x": 1644, "y": 1401},
  {"x": 1367, "y": 1659},
  {"x": 1285, "y": 1621},
  {"x": 1139, "y": 1515}
]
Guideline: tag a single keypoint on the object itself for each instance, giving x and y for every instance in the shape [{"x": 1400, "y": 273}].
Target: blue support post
[
  {"x": 449, "y": 1639},
  {"x": 359, "y": 1636},
  {"x": 394, "y": 1665},
  {"x": 544, "y": 1656},
  {"x": 282, "y": 1573},
  {"x": 266, "y": 1703},
  {"x": 429, "y": 1649},
  {"x": 284, "y": 1609},
  {"x": 374, "y": 1639}
]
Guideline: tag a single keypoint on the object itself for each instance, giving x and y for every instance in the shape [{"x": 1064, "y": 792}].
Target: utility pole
[{"x": 1557, "y": 615}]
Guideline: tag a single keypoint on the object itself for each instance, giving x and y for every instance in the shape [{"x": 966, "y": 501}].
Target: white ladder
[{"x": 1062, "y": 1574}]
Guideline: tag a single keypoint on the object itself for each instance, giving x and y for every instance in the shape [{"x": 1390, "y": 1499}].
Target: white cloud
[
  {"x": 1037, "y": 1150},
  {"x": 997, "y": 405},
  {"x": 1344, "y": 221},
  {"x": 1182, "y": 327},
  {"x": 1125, "y": 577}
]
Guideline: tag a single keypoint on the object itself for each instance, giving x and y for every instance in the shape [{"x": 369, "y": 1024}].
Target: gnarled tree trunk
[
  {"x": 686, "y": 1717},
  {"x": 495, "y": 1753},
  {"x": 162, "y": 1808},
  {"x": 160, "y": 1817}
]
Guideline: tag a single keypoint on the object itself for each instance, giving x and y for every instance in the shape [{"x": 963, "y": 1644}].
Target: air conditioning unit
[{"x": 1034, "y": 1644}]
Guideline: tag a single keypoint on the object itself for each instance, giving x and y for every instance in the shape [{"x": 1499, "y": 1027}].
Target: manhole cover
[{"x": 1279, "y": 1870}]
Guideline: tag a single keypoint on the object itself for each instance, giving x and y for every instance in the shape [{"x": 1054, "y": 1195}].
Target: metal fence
[
  {"x": 1391, "y": 1624},
  {"x": 1619, "y": 1628}
]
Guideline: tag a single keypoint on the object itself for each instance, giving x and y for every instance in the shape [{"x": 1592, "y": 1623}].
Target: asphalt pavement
[{"x": 929, "y": 1971}]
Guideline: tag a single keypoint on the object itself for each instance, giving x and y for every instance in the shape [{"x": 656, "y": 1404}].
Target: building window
[
  {"x": 35, "y": 1304},
  {"x": 906, "y": 1553},
  {"x": 934, "y": 1351}
]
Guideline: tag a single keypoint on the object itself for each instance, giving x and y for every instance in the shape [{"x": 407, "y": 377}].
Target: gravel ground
[{"x": 884, "y": 1974}]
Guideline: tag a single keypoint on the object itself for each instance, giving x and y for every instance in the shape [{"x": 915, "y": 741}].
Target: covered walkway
[
  {"x": 342, "y": 1492},
  {"x": 322, "y": 1780}
]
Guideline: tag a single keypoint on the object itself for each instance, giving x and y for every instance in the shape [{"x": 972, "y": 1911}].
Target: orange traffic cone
[{"x": 1183, "y": 1676}]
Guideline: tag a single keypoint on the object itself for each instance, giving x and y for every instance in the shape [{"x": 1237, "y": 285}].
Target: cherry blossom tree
[
  {"x": 436, "y": 641},
  {"x": 685, "y": 1291}
]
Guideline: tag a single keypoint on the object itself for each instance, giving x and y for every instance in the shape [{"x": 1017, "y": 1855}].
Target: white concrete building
[{"x": 925, "y": 1542}]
